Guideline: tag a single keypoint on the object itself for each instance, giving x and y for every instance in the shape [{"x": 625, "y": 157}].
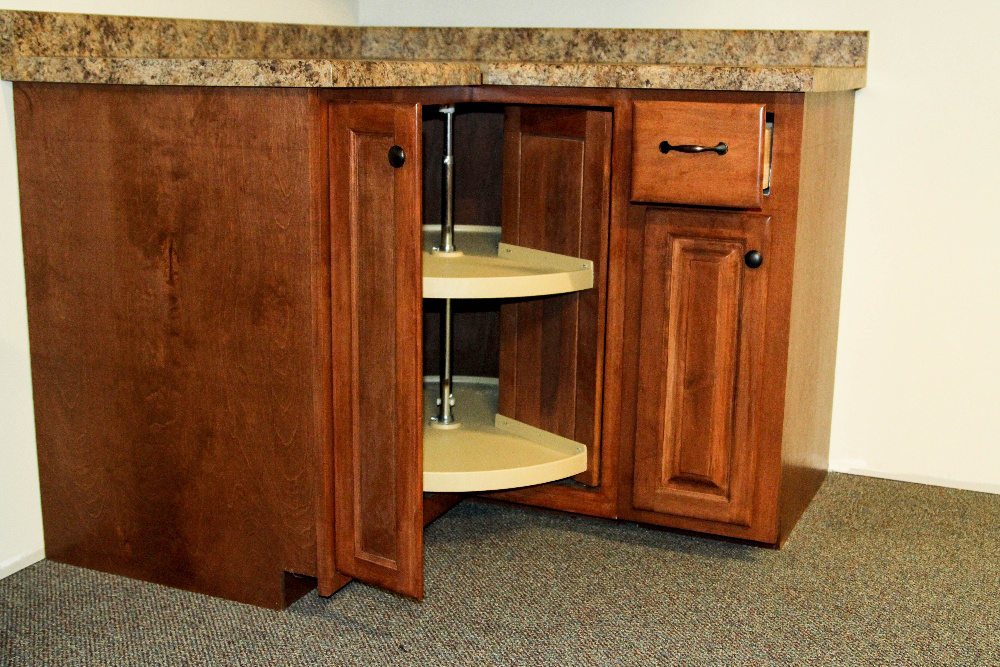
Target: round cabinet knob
[
  {"x": 396, "y": 157},
  {"x": 753, "y": 259}
]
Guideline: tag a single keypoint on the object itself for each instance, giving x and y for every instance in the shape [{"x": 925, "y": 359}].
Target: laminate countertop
[{"x": 84, "y": 48}]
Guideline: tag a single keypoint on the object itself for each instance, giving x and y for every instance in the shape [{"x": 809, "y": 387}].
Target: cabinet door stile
[
  {"x": 376, "y": 294},
  {"x": 701, "y": 341}
]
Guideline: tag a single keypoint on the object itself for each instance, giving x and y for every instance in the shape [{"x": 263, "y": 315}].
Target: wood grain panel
[
  {"x": 169, "y": 256},
  {"x": 546, "y": 339},
  {"x": 572, "y": 496},
  {"x": 701, "y": 334},
  {"x": 706, "y": 179},
  {"x": 557, "y": 198},
  {"x": 376, "y": 283}
]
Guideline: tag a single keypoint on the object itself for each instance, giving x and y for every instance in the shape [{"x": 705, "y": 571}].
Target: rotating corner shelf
[
  {"x": 487, "y": 269},
  {"x": 486, "y": 451},
  {"x": 490, "y": 451}
]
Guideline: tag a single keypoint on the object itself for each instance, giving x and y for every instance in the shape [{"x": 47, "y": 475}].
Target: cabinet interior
[
  {"x": 478, "y": 150},
  {"x": 534, "y": 177}
]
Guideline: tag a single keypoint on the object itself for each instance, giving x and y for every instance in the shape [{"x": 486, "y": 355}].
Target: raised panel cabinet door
[
  {"x": 701, "y": 344},
  {"x": 376, "y": 306}
]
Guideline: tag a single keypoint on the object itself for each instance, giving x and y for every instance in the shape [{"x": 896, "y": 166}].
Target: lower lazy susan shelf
[{"x": 488, "y": 451}]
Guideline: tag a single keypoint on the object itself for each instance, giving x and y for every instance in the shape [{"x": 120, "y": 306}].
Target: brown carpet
[{"x": 876, "y": 573}]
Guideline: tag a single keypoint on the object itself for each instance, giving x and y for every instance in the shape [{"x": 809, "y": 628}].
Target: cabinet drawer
[{"x": 733, "y": 179}]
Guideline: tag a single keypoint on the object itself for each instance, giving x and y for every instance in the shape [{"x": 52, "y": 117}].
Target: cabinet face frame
[
  {"x": 782, "y": 488},
  {"x": 611, "y": 498}
]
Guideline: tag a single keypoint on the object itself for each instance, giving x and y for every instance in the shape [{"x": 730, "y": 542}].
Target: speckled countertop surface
[{"x": 81, "y": 48}]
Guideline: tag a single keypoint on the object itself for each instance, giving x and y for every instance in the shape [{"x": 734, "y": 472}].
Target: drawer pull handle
[
  {"x": 753, "y": 259},
  {"x": 720, "y": 149}
]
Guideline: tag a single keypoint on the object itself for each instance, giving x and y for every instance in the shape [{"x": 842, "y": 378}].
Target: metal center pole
[
  {"x": 448, "y": 224},
  {"x": 445, "y": 417}
]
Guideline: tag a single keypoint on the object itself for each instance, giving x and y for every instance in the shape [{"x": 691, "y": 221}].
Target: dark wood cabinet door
[
  {"x": 701, "y": 345},
  {"x": 557, "y": 179},
  {"x": 376, "y": 306}
]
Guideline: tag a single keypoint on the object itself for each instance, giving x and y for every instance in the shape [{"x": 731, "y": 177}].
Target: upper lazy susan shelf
[{"x": 487, "y": 269}]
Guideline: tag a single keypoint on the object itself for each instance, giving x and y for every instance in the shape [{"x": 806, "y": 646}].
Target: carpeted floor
[{"x": 876, "y": 573}]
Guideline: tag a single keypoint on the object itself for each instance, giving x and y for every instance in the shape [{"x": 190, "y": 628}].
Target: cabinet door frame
[{"x": 376, "y": 290}]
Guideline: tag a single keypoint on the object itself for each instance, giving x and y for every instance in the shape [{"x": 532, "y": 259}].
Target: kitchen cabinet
[
  {"x": 231, "y": 341},
  {"x": 700, "y": 379}
]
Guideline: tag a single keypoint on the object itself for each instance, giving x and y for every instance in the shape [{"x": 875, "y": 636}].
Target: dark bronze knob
[
  {"x": 753, "y": 259},
  {"x": 718, "y": 149},
  {"x": 396, "y": 157}
]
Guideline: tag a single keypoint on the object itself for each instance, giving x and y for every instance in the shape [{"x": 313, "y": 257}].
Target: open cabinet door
[
  {"x": 376, "y": 306},
  {"x": 556, "y": 198}
]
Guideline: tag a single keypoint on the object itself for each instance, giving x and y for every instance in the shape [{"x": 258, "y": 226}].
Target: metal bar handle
[{"x": 719, "y": 149}]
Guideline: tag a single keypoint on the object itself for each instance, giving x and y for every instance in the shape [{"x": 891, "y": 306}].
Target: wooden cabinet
[{"x": 697, "y": 370}]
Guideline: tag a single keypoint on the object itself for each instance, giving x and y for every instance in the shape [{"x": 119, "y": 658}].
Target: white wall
[
  {"x": 20, "y": 511},
  {"x": 21, "y": 541},
  {"x": 918, "y": 371}
]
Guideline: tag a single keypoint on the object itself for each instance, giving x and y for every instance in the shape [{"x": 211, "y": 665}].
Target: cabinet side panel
[
  {"x": 815, "y": 311},
  {"x": 168, "y": 254}
]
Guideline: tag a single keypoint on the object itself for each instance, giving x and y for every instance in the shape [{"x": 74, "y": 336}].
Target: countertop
[{"x": 84, "y": 48}]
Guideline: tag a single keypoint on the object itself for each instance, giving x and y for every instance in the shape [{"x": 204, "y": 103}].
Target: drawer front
[{"x": 733, "y": 179}]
